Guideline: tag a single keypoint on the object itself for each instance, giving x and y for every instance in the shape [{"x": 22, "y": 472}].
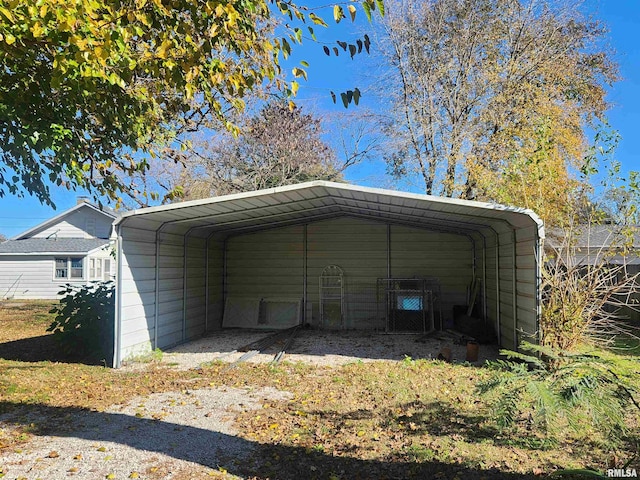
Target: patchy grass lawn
[{"x": 413, "y": 419}]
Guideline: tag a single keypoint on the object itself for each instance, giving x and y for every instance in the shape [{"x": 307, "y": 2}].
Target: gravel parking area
[
  {"x": 190, "y": 434},
  {"x": 176, "y": 435},
  {"x": 317, "y": 347}
]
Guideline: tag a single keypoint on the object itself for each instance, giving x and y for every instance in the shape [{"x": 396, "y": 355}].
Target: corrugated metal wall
[
  {"x": 137, "y": 291},
  {"x": 518, "y": 277},
  {"x": 359, "y": 248},
  {"x": 269, "y": 264},
  {"x": 139, "y": 277},
  {"x": 195, "y": 307},
  {"x": 445, "y": 256},
  {"x": 215, "y": 259},
  {"x": 526, "y": 284}
]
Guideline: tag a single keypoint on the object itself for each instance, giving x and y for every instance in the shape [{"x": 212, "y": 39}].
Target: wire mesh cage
[
  {"x": 407, "y": 304},
  {"x": 361, "y": 306}
]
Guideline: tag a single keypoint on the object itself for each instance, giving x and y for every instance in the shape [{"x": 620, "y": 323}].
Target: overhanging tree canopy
[{"x": 86, "y": 84}]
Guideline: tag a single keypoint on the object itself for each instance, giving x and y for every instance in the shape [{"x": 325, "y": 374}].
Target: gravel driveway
[
  {"x": 190, "y": 434},
  {"x": 175, "y": 435},
  {"x": 317, "y": 347}
]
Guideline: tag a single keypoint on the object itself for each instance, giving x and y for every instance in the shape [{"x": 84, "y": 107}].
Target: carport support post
[
  {"x": 498, "y": 322},
  {"x": 206, "y": 283},
  {"x": 157, "y": 291},
  {"x": 484, "y": 278},
  {"x": 118, "y": 300},
  {"x": 515, "y": 294},
  {"x": 539, "y": 254},
  {"x": 304, "y": 274},
  {"x": 224, "y": 279},
  {"x": 388, "y": 250}
]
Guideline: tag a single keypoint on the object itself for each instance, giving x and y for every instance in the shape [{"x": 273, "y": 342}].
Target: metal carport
[{"x": 174, "y": 261}]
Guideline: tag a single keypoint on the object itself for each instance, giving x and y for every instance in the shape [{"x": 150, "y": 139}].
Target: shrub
[
  {"x": 574, "y": 390},
  {"x": 584, "y": 293},
  {"x": 84, "y": 321}
]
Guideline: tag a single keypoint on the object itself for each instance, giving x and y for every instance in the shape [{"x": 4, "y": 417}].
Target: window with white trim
[
  {"x": 100, "y": 269},
  {"x": 62, "y": 268},
  {"x": 70, "y": 268}
]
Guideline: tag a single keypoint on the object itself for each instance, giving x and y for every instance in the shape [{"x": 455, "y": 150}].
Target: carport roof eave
[{"x": 492, "y": 214}]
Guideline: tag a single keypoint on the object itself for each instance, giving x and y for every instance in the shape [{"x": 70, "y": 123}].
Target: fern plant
[{"x": 564, "y": 390}]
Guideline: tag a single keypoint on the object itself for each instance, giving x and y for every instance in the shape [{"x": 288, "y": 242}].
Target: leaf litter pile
[{"x": 408, "y": 419}]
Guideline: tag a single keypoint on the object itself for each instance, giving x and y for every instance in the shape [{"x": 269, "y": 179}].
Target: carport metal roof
[{"x": 319, "y": 200}]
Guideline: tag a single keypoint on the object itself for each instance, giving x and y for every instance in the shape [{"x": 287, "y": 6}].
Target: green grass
[{"x": 404, "y": 417}]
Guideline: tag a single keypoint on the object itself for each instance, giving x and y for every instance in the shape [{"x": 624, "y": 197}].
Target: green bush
[
  {"x": 574, "y": 390},
  {"x": 84, "y": 321}
]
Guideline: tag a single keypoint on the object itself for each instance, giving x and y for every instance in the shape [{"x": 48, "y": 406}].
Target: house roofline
[
  {"x": 40, "y": 254},
  {"x": 60, "y": 216}
]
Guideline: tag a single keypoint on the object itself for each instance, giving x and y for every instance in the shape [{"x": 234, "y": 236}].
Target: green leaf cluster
[
  {"x": 84, "y": 321},
  {"x": 90, "y": 89}
]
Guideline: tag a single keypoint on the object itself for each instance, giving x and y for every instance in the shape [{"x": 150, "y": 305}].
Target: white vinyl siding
[
  {"x": 82, "y": 223},
  {"x": 32, "y": 277}
]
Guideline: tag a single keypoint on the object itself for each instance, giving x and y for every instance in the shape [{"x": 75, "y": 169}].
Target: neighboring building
[
  {"x": 606, "y": 244},
  {"x": 595, "y": 244},
  {"x": 73, "y": 247}
]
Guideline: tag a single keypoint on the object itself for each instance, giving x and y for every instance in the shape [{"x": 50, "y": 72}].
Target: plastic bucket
[{"x": 472, "y": 351}]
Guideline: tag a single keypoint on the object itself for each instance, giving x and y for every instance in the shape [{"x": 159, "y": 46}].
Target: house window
[
  {"x": 69, "y": 268},
  {"x": 62, "y": 270},
  {"x": 76, "y": 268},
  {"x": 99, "y": 268}
]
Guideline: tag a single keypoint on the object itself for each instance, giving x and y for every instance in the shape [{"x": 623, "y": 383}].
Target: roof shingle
[{"x": 37, "y": 246}]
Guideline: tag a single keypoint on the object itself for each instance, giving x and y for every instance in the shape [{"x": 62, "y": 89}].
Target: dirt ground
[{"x": 316, "y": 347}]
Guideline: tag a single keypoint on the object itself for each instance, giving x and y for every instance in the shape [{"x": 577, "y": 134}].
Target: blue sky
[{"x": 339, "y": 74}]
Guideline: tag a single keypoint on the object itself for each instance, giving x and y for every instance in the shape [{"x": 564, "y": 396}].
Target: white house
[{"x": 72, "y": 247}]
